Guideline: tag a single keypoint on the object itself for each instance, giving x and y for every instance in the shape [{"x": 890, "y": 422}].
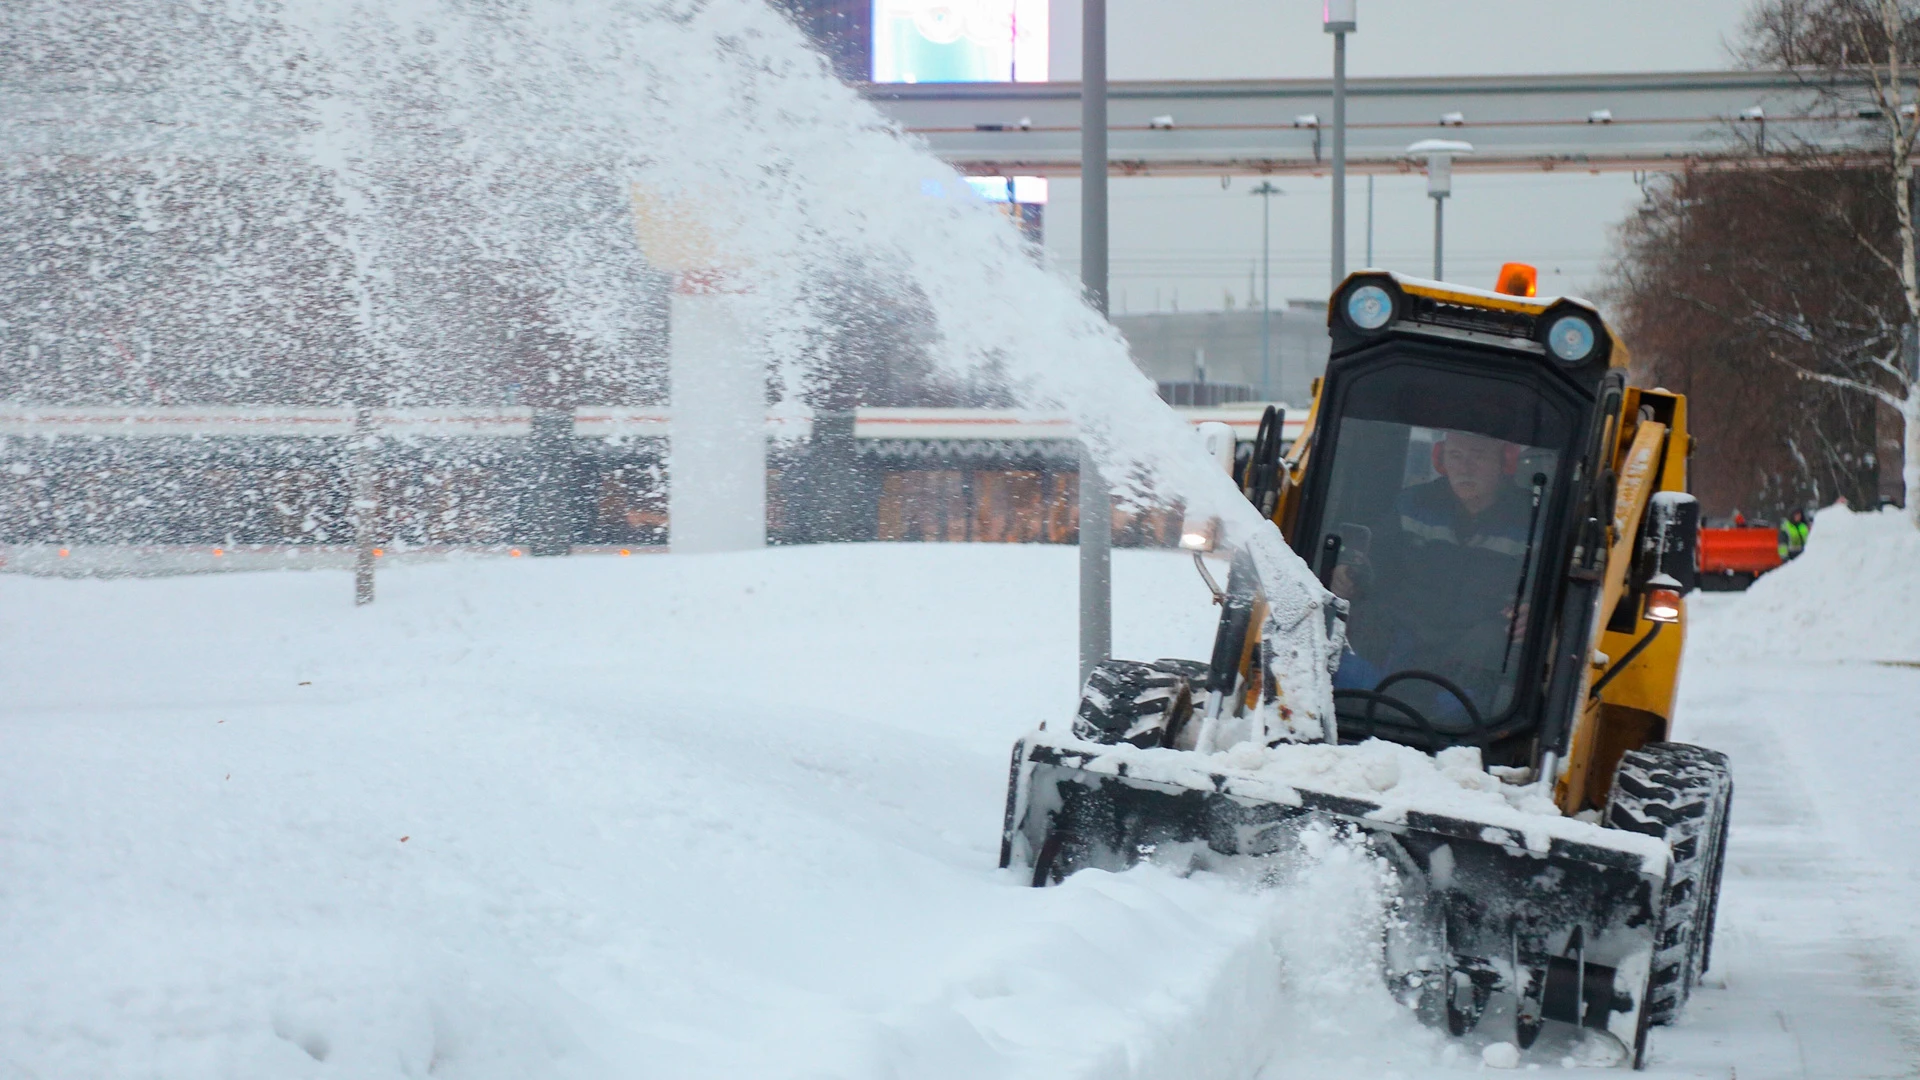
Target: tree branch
[{"x": 1855, "y": 385}]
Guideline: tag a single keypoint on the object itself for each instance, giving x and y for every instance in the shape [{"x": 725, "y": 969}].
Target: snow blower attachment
[{"x": 1502, "y": 541}]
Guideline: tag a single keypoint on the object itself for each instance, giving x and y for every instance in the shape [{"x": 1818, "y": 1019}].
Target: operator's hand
[{"x": 1345, "y": 581}]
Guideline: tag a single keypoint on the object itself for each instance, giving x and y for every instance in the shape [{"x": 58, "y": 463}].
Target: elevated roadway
[
  {"x": 1595, "y": 123},
  {"x": 1602, "y": 122}
]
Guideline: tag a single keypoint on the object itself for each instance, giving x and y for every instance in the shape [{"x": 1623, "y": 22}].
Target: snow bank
[
  {"x": 1854, "y": 594},
  {"x": 1264, "y": 966}
]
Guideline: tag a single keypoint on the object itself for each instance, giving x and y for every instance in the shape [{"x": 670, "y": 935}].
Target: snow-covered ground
[
  {"x": 1811, "y": 682},
  {"x": 730, "y": 816}
]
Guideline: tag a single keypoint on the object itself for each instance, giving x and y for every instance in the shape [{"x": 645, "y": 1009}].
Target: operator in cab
[
  {"x": 1473, "y": 503},
  {"x": 1451, "y": 577}
]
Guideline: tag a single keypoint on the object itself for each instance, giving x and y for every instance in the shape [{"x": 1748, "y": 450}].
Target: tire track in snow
[{"x": 1807, "y": 979}]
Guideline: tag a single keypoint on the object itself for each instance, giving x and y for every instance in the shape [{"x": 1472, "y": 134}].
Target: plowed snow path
[{"x": 1814, "y": 972}]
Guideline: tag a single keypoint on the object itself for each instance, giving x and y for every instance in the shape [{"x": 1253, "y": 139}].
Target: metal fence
[{"x": 246, "y": 485}]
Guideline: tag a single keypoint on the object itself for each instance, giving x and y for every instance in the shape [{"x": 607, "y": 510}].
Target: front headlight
[{"x": 1200, "y": 536}]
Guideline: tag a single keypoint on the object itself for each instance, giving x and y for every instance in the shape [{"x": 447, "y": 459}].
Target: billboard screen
[
  {"x": 1031, "y": 190},
  {"x": 959, "y": 41}
]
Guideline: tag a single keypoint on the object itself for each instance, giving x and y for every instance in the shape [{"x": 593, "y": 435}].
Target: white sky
[{"x": 1191, "y": 238}]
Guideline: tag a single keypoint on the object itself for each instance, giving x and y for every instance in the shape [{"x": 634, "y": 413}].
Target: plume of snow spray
[
  {"x": 1335, "y": 902},
  {"x": 501, "y": 149}
]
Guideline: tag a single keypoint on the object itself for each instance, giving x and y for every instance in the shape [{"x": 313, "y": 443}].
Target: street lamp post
[
  {"x": 1339, "y": 18},
  {"x": 1370, "y": 262},
  {"x": 1440, "y": 154},
  {"x": 1266, "y": 191},
  {"x": 1439, "y": 186},
  {"x": 1096, "y": 501}
]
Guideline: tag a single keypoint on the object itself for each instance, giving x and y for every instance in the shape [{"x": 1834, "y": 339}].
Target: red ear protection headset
[{"x": 1509, "y": 458}]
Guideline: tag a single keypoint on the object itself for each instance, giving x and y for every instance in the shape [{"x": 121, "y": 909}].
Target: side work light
[{"x": 1663, "y": 599}]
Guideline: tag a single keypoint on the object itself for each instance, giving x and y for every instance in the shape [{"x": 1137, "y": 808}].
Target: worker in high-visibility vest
[{"x": 1793, "y": 535}]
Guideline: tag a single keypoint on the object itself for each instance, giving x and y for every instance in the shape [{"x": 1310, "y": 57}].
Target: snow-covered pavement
[
  {"x": 736, "y": 816},
  {"x": 1815, "y": 958},
  {"x": 1811, "y": 683}
]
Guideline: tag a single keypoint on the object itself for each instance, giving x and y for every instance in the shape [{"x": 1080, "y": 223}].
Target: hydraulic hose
[{"x": 1526, "y": 567}]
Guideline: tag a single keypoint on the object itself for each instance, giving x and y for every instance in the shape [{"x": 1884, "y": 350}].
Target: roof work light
[
  {"x": 1572, "y": 338},
  {"x": 1369, "y": 307}
]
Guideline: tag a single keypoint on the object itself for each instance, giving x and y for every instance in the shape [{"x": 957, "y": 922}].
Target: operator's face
[{"x": 1473, "y": 468}]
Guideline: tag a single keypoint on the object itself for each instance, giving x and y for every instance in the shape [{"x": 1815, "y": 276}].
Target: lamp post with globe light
[{"x": 1439, "y": 154}]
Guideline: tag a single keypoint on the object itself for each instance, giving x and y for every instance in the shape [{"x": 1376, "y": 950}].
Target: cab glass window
[{"x": 1440, "y": 487}]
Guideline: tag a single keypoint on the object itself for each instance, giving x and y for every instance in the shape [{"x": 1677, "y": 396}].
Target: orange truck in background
[{"x": 1731, "y": 558}]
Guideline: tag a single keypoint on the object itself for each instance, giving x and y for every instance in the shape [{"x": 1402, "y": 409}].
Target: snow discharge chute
[{"x": 1452, "y": 631}]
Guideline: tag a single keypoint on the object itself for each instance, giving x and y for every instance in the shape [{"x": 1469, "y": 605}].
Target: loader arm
[
  {"x": 1235, "y": 673},
  {"x": 1296, "y": 467},
  {"x": 1635, "y": 662}
]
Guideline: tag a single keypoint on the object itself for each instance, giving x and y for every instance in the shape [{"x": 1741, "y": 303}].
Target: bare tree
[
  {"x": 1847, "y": 50},
  {"x": 1730, "y": 283}
]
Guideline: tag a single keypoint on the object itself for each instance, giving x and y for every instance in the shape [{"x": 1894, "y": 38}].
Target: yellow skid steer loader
[{"x": 1505, "y": 524}]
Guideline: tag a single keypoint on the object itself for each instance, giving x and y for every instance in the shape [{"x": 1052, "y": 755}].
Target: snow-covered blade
[{"x": 1558, "y": 914}]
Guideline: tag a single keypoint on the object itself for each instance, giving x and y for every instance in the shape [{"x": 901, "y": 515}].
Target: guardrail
[
  {"x": 516, "y": 422},
  {"x": 191, "y": 488}
]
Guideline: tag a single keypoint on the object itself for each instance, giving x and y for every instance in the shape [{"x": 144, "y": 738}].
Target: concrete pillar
[{"x": 717, "y": 461}]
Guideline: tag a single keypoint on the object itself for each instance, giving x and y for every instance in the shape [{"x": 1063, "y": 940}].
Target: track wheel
[
  {"x": 1681, "y": 794},
  {"x": 1129, "y": 702}
]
